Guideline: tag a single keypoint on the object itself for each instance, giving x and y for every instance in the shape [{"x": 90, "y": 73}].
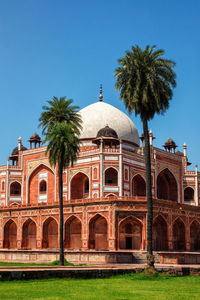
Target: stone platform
[
  {"x": 100, "y": 271},
  {"x": 99, "y": 257},
  {"x": 85, "y": 257}
]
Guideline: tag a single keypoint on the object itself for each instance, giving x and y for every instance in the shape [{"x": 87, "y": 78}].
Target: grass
[
  {"x": 17, "y": 264},
  {"x": 124, "y": 287}
]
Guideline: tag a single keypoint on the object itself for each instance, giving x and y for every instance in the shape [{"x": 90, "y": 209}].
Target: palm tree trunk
[
  {"x": 150, "y": 258},
  {"x": 60, "y": 183}
]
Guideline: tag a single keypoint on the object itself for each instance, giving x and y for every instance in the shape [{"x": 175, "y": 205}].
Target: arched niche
[
  {"x": 73, "y": 233},
  {"x": 178, "y": 235},
  {"x": 29, "y": 234},
  {"x": 138, "y": 186},
  {"x": 195, "y": 236},
  {"x": 188, "y": 194},
  {"x": 80, "y": 186},
  {"x": 50, "y": 234},
  {"x": 10, "y": 235},
  {"x": 160, "y": 235},
  {"x": 15, "y": 189},
  {"x": 43, "y": 187},
  {"x": 98, "y": 233},
  {"x": 130, "y": 234},
  {"x": 34, "y": 184},
  {"x": 111, "y": 176},
  {"x": 167, "y": 186}
]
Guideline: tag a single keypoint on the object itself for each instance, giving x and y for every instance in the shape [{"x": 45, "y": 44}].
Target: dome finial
[{"x": 100, "y": 96}]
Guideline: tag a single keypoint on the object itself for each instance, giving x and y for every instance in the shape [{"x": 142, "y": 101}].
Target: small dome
[
  {"x": 15, "y": 150},
  {"x": 34, "y": 137},
  {"x": 107, "y": 132},
  {"x": 170, "y": 142}
]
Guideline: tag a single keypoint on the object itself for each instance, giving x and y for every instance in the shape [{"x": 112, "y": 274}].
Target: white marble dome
[{"x": 100, "y": 114}]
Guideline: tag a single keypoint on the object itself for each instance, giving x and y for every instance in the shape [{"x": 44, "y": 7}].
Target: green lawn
[
  {"x": 14, "y": 264},
  {"x": 135, "y": 286}
]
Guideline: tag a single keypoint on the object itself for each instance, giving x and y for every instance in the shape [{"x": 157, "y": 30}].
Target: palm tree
[
  {"x": 59, "y": 110},
  {"x": 61, "y": 126},
  {"x": 145, "y": 81}
]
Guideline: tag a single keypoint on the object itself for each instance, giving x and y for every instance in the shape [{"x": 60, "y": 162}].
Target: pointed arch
[
  {"x": 178, "y": 234},
  {"x": 41, "y": 172},
  {"x": 138, "y": 186},
  {"x": 73, "y": 228},
  {"x": 50, "y": 233},
  {"x": 10, "y": 235},
  {"x": 160, "y": 234},
  {"x": 111, "y": 176},
  {"x": 80, "y": 186},
  {"x": 167, "y": 187},
  {"x": 15, "y": 188},
  {"x": 195, "y": 236},
  {"x": 29, "y": 230},
  {"x": 98, "y": 233},
  {"x": 130, "y": 233}
]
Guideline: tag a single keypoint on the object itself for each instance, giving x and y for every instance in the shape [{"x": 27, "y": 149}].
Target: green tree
[
  {"x": 145, "y": 80},
  {"x": 61, "y": 127}
]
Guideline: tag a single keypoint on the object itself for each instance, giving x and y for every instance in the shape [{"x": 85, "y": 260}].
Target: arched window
[
  {"x": 167, "y": 186},
  {"x": 15, "y": 189},
  {"x": 43, "y": 187},
  {"x": 80, "y": 186},
  {"x": 111, "y": 176},
  {"x": 189, "y": 194},
  {"x": 138, "y": 186}
]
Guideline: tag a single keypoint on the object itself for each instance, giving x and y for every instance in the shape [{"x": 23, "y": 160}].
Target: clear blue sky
[{"x": 67, "y": 48}]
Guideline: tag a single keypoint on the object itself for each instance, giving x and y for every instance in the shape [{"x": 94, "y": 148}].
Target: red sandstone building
[{"x": 105, "y": 202}]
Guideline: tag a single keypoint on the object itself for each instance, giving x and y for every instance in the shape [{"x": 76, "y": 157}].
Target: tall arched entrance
[
  {"x": 10, "y": 235},
  {"x": 80, "y": 186},
  {"x": 178, "y": 235},
  {"x": 160, "y": 237},
  {"x": 73, "y": 233},
  {"x": 98, "y": 233},
  {"x": 167, "y": 186},
  {"x": 41, "y": 185},
  {"x": 130, "y": 234},
  {"x": 50, "y": 234},
  {"x": 29, "y": 234},
  {"x": 195, "y": 236},
  {"x": 138, "y": 186}
]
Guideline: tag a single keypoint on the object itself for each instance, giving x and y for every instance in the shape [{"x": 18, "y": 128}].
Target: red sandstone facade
[{"x": 104, "y": 199}]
